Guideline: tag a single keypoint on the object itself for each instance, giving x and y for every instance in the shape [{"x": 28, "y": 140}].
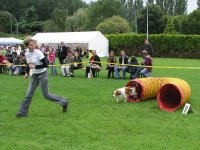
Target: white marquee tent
[
  {"x": 10, "y": 41},
  {"x": 94, "y": 40}
]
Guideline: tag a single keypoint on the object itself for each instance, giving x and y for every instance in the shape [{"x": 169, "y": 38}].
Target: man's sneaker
[{"x": 65, "y": 107}]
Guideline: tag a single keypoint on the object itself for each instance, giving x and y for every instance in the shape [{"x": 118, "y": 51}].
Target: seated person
[
  {"x": 133, "y": 69},
  {"x": 14, "y": 69},
  {"x": 146, "y": 72},
  {"x": 86, "y": 53},
  {"x": 94, "y": 65},
  {"x": 22, "y": 62},
  {"x": 111, "y": 64},
  {"x": 77, "y": 61},
  {"x": 2, "y": 62},
  {"x": 9, "y": 55},
  {"x": 69, "y": 61},
  {"x": 123, "y": 60}
]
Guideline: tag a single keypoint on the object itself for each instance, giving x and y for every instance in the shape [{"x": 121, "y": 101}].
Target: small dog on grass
[{"x": 124, "y": 93}]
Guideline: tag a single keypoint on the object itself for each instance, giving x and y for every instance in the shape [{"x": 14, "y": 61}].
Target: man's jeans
[{"x": 117, "y": 69}]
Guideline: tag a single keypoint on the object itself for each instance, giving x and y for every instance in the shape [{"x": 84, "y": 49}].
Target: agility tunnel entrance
[{"x": 171, "y": 93}]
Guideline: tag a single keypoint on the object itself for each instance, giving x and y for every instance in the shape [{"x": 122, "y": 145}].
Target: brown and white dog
[{"x": 124, "y": 93}]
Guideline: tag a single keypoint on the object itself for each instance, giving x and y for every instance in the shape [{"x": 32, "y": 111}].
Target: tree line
[{"x": 107, "y": 16}]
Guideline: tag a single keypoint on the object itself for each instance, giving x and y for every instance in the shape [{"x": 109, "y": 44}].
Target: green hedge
[{"x": 180, "y": 46}]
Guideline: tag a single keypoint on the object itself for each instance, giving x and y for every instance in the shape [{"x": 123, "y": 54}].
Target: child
[
  {"x": 37, "y": 63},
  {"x": 51, "y": 60}
]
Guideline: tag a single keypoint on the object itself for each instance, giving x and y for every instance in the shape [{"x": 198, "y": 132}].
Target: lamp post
[
  {"x": 147, "y": 19},
  {"x": 136, "y": 19},
  {"x": 135, "y": 14},
  {"x": 11, "y": 15}
]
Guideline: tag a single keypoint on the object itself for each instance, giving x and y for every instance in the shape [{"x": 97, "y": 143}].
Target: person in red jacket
[
  {"x": 2, "y": 61},
  {"x": 146, "y": 72}
]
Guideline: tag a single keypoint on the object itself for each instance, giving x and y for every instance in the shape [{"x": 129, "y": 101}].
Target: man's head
[
  {"x": 122, "y": 53},
  {"x": 94, "y": 52},
  {"x": 146, "y": 41},
  {"x": 62, "y": 43},
  {"x": 144, "y": 53},
  {"x": 76, "y": 54},
  {"x": 112, "y": 54},
  {"x": 69, "y": 53}
]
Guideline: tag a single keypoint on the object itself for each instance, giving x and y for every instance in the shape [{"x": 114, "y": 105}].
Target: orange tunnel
[{"x": 171, "y": 93}]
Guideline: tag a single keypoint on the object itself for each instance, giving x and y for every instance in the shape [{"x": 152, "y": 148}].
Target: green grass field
[{"x": 94, "y": 120}]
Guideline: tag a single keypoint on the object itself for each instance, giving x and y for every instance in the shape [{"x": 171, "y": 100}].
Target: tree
[
  {"x": 71, "y": 6},
  {"x": 178, "y": 23},
  {"x": 49, "y": 26},
  {"x": 169, "y": 29},
  {"x": 191, "y": 24},
  {"x": 78, "y": 21},
  {"x": 44, "y": 8},
  {"x": 59, "y": 18},
  {"x": 29, "y": 23},
  {"x": 180, "y": 7},
  {"x": 103, "y": 9},
  {"x": 115, "y": 24},
  {"x": 4, "y": 22},
  {"x": 150, "y": 1},
  {"x": 131, "y": 10},
  {"x": 172, "y": 7},
  {"x": 198, "y": 3},
  {"x": 155, "y": 18},
  {"x": 167, "y": 6}
]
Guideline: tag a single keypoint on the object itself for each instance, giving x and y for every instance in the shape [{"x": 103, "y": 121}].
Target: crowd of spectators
[{"x": 12, "y": 60}]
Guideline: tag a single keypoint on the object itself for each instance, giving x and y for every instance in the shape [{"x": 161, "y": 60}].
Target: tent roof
[
  {"x": 10, "y": 41},
  {"x": 67, "y": 37}
]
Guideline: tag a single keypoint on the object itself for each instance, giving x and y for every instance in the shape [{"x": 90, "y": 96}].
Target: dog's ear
[
  {"x": 118, "y": 92},
  {"x": 128, "y": 90}
]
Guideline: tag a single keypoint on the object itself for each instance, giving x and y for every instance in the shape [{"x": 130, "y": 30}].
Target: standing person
[
  {"x": 51, "y": 60},
  {"x": 62, "y": 52},
  {"x": 111, "y": 64},
  {"x": 2, "y": 62},
  {"x": 123, "y": 61},
  {"x": 147, "y": 47},
  {"x": 37, "y": 63},
  {"x": 43, "y": 48}
]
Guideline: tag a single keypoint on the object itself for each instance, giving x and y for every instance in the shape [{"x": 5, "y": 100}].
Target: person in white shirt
[{"x": 37, "y": 63}]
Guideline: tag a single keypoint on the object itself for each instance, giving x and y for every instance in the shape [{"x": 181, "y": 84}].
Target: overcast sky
[{"x": 192, "y": 4}]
